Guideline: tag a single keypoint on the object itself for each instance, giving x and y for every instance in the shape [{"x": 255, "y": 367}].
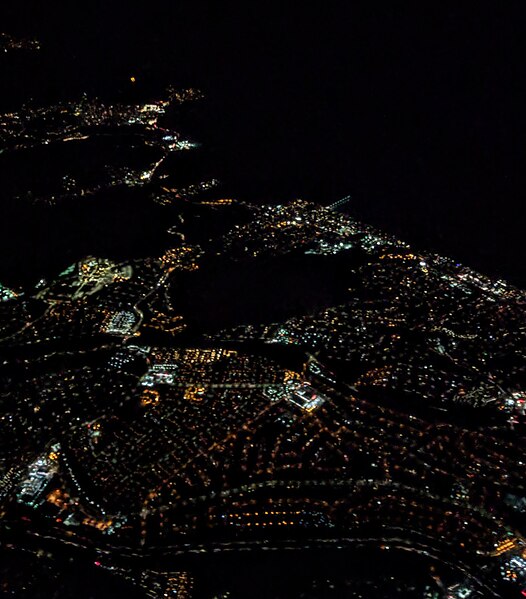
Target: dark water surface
[{"x": 419, "y": 114}]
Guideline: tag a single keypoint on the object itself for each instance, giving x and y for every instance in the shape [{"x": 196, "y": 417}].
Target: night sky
[{"x": 418, "y": 113}]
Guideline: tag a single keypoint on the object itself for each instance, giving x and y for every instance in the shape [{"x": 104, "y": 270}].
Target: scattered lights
[
  {"x": 194, "y": 393},
  {"x": 149, "y": 397}
]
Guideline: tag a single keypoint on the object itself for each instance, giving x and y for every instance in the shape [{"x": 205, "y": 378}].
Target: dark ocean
[{"x": 417, "y": 113}]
